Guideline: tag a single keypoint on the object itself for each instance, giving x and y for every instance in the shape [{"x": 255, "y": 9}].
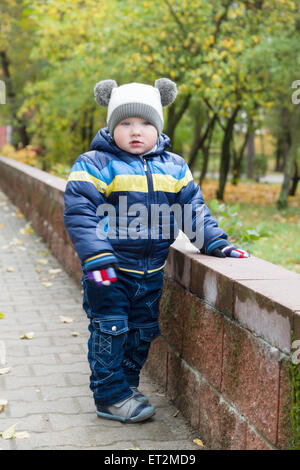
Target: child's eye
[
  {"x": 125, "y": 123},
  {"x": 147, "y": 123}
]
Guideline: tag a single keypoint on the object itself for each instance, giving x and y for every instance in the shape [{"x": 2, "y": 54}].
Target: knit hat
[{"x": 135, "y": 100}]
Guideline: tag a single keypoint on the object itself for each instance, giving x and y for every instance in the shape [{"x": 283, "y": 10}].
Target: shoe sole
[{"x": 145, "y": 414}]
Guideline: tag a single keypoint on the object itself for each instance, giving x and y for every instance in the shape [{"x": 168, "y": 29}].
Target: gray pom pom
[
  {"x": 167, "y": 89},
  {"x": 102, "y": 91}
]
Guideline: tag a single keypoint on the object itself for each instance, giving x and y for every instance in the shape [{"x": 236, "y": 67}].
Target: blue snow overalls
[{"x": 124, "y": 317}]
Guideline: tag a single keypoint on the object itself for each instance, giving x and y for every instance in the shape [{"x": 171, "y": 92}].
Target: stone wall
[{"x": 228, "y": 325}]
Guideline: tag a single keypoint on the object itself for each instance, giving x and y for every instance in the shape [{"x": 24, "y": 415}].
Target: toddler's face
[{"x": 135, "y": 135}]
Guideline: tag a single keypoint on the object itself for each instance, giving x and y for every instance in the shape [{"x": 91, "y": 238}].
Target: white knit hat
[{"x": 135, "y": 100}]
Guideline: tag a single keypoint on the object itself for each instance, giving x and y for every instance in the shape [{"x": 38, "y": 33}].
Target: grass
[
  {"x": 257, "y": 203},
  {"x": 282, "y": 247}
]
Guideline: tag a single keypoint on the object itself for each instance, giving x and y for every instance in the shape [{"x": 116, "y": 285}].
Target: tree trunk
[
  {"x": 279, "y": 154},
  {"x": 175, "y": 113},
  {"x": 225, "y": 155},
  {"x": 237, "y": 162},
  {"x": 295, "y": 180},
  {"x": 282, "y": 201},
  {"x": 199, "y": 140},
  {"x": 250, "y": 154},
  {"x": 17, "y": 123}
]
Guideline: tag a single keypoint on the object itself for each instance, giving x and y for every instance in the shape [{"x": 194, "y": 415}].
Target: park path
[{"x": 47, "y": 387}]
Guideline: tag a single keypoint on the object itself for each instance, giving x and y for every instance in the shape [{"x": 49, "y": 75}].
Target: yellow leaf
[
  {"x": 198, "y": 442},
  {"x": 3, "y": 403},
  {"x": 28, "y": 335},
  {"x": 47, "y": 284},
  {"x": 22, "y": 435},
  {"x": 9, "y": 433},
  {"x": 66, "y": 319}
]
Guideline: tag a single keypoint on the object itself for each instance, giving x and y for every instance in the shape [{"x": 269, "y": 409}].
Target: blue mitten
[{"x": 229, "y": 250}]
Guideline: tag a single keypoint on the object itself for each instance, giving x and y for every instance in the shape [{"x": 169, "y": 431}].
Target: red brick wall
[{"x": 227, "y": 325}]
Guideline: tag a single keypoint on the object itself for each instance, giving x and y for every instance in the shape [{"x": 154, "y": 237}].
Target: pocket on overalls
[
  {"x": 149, "y": 333},
  {"x": 109, "y": 339}
]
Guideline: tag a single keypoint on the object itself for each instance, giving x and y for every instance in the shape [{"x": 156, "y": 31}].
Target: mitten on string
[{"x": 104, "y": 276}]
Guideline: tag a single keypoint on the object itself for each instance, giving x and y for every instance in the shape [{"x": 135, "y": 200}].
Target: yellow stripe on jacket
[
  {"x": 130, "y": 182},
  {"x": 170, "y": 184}
]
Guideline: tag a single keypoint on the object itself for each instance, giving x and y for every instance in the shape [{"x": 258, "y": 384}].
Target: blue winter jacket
[{"x": 101, "y": 178}]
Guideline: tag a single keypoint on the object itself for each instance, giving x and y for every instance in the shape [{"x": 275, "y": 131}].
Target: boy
[{"x": 113, "y": 202}]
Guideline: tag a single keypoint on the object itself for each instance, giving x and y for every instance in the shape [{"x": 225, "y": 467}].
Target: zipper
[
  {"x": 145, "y": 164},
  {"x": 150, "y": 191}
]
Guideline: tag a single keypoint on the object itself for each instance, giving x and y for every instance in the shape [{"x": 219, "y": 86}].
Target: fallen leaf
[
  {"x": 28, "y": 335},
  {"x": 22, "y": 435},
  {"x": 1, "y": 226},
  {"x": 47, "y": 284},
  {"x": 75, "y": 333},
  {"x": 3, "y": 403},
  {"x": 176, "y": 414},
  {"x": 42, "y": 261},
  {"x": 45, "y": 253},
  {"x": 160, "y": 394},
  {"x": 1, "y": 315},
  {"x": 9, "y": 433},
  {"x": 198, "y": 442},
  {"x": 10, "y": 269},
  {"x": 66, "y": 319},
  {"x": 5, "y": 370},
  {"x": 38, "y": 269},
  {"x": 19, "y": 214},
  {"x": 54, "y": 271}
]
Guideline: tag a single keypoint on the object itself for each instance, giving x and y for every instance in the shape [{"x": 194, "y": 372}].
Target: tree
[{"x": 16, "y": 41}]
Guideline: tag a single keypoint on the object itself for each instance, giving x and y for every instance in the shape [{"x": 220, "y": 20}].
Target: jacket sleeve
[
  {"x": 197, "y": 223},
  {"x": 85, "y": 191}
]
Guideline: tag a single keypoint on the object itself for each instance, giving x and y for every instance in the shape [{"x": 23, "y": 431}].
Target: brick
[
  {"x": 262, "y": 315},
  {"x": 189, "y": 395},
  {"x": 213, "y": 287},
  {"x": 156, "y": 364},
  {"x": 255, "y": 442},
  {"x": 220, "y": 426},
  {"x": 174, "y": 377},
  {"x": 179, "y": 266},
  {"x": 203, "y": 338},
  {"x": 267, "y": 308},
  {"x": 296, "y": 325},
  {"x": 245, "y": 269},
  {"x": 171, "y": 313},
  {"x": 285, "y": 438},
  {"x": 250, "y": 379}
]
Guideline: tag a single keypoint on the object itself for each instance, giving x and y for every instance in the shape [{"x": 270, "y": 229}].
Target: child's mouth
[{"x": 136, "y": 143}]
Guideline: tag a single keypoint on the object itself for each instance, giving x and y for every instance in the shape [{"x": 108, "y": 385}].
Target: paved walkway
[{"x": 47, "y": 387}]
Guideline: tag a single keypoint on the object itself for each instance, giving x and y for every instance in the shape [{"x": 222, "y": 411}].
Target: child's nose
[{"x": 136, "y": 130}]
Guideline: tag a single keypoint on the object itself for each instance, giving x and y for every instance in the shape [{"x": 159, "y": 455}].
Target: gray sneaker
[
  {"x": 139, "y": 396},
  {"x": 129, "y": 410}
]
